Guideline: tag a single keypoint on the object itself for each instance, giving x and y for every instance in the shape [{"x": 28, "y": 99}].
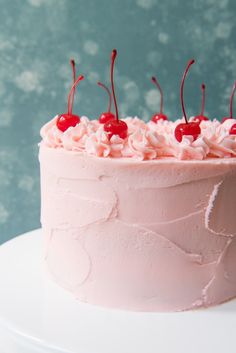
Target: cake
[{"x": 143, "y": 222}]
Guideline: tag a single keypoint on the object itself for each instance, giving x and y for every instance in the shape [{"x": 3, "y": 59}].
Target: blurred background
[{"x": 153, "y": 37}]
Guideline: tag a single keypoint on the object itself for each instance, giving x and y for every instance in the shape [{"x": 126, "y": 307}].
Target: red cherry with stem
[
  {"x": 64, "y": 121},
  {"x": 115, "y": 127},
  {"x": 202, "y": 117},
  {"x": 186, "y": 128},
  {"x": 230, "y": 104},
  {"x": 160, "y": 115},
  {"x": 106, "y": 116}
]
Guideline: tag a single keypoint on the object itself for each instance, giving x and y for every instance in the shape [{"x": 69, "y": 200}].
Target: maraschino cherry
[
  {"x": 115, "y": 127},
  {"x": 186, "y": 128},
  {"x": 66, "y": 120},
  {"x": 159, "y": 116},
  {"x": 106, "y": 116},
  {"x": 230, "y": 105},
  {"x": 202, "y": 117}
]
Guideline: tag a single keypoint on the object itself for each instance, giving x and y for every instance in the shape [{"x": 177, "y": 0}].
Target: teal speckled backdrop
[{"x": 37, "y": 39}]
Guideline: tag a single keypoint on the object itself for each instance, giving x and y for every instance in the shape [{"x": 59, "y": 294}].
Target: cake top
[
  {"x": 195, "y": 138},
  {"x": 145, "y": 141}
]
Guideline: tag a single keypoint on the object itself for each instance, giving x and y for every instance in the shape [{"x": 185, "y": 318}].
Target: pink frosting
[
  {"x": 98, "y": 144},
  {"x": 153, "y": 236},
  {"x": 145, "y": 141},
  {"x": 51, "y": 135},
  {"x": 144, "y": 144},
  {"x": 74, "y": 138},
  {"x": 217, "y": 136}
]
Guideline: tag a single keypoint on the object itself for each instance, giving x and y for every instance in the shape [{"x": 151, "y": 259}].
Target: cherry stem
[
  {"x": 113, "y": 57},
  {"x": 70, "y": 107},
  {"x": 203, "y": 99},
  {"x": 231, "y": 100},
  {"x": 182, "y": 88},
  {"x": 72, "y": 62},
  {"x": 109, "y": 94},
  {"x": 154, "y": 80}
]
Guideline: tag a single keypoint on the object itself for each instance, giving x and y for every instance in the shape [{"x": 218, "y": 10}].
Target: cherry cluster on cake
[{"x": 114, "y": 126}]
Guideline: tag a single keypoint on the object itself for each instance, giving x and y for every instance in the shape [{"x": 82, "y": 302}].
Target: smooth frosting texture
[
  {"x": 153, "y": 236},
  {"x": 145, "y": 141}
]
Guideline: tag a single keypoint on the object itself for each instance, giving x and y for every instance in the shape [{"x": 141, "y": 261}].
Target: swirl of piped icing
[
  {"x": 188, "y": 148},
  {"x": 221, "y": 143},
  {"x": 134, "y": 124},
  {"x": 98, "y": 144},
  {"x": 184, "y": 150},
  {"x": 74, "y": 138},
  {"x": 145, "y": 141},
  {"x": 163, "y": 127},
  {"x": 51, "y": 135},
  {"x": 143, "y": 144}
]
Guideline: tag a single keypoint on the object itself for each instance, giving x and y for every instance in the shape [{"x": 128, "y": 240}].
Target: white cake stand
[{"x": 38, "y": 316}]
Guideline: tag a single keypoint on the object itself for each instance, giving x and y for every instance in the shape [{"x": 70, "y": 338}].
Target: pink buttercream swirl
[
  {"x": 98, "y": 144},
  {"x": 221, "y": 143},
  {"x": 75, "y": 138},
  {"x": 51, "y": 135},
  {"x": 145, "y": 141},
  {"x": 135, "y": 124},
  {"x": 143, "y": 144},
  {"x": 187, "y": 148}
]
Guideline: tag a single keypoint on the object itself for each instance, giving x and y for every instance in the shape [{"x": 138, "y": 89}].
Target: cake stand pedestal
[{"x": 38, "y": 316}]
